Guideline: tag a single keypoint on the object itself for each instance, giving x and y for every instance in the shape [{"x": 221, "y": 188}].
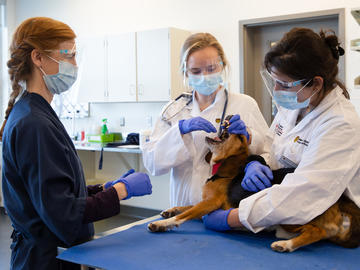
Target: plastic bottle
[{"x": 104, "y": 129}]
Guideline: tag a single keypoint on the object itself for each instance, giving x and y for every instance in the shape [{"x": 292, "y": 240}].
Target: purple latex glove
[
  {"x": 217, "y": 220},
  {"x": 196, "y": 123},
  {"x": 237, "y": 126},
  {"x": 136, "y": 184},
  {"x": 111, "y": 183},
  {"x": 257, "y": 177}
]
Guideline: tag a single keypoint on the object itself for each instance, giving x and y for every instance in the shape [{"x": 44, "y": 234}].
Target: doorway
[{"x": 258, "y": 35}]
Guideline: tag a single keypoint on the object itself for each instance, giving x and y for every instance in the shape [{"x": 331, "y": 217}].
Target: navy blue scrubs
[{"x": 43, "y": 185}]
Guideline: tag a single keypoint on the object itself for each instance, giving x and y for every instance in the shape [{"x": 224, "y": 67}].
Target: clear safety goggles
[
  {"x": 208, "y": 67},
  {"x": 68, "y": 54},
  {"x": 272, "y": 83}
]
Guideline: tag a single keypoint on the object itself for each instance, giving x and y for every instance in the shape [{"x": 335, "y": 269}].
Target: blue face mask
[
  {"x": 205, "y": 84},
  {"x": 63, "y": 80},
  {"x": 288, "y": 100}
]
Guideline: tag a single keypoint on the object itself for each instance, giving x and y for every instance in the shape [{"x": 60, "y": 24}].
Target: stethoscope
[{"x": 189, "y": 96}]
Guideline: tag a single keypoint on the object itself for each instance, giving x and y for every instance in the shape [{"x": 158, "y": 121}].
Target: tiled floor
[{"x": 100, "y": 226}]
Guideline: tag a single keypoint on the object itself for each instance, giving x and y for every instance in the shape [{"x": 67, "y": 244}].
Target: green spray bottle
[{"x": 104, "y": 129}]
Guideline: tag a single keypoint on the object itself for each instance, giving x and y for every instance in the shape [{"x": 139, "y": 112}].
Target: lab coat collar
[
  {"x": 220, "y": 97},
  {"x": 326, "y": 103},
  {"x": 289, "y": 116}
]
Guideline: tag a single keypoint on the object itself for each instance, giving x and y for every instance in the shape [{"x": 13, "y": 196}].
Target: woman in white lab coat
[
  {"x": 177, "y": 143},
  {"x": 316, "y": 131}
]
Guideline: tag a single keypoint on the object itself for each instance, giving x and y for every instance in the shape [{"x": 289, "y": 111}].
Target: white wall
[{"x": 91, "y": 17}]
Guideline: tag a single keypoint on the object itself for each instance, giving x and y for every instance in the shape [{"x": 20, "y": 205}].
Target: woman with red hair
[{"x": 43, "y": 181}]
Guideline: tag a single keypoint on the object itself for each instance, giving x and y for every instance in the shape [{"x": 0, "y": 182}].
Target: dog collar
[{"x": 215, "y": 168}]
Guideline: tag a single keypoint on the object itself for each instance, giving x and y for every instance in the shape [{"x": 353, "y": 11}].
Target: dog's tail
[{"x": 348, "y": 207}]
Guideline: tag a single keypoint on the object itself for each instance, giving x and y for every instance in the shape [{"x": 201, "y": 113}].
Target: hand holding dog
[
  {"x": 136, "y": 184},
  {"x": 217, "y": 220},
  {"x": 194, "y": 124},
  {"x": 237, "y": 126},
  {"x": 257, "y": 177}
]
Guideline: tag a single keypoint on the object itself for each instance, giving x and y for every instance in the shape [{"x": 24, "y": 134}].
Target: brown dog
[{"x": 340, "y": 223}]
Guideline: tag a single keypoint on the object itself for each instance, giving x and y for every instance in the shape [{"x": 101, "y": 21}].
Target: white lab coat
[
  {"x": 325, "y": 149},
  {"x": 184, "y": 155}
]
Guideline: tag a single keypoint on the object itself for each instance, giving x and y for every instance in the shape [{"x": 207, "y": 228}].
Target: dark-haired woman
[
  {"x": 43, "y": 182},
  {"x": 316, "y": 131}
]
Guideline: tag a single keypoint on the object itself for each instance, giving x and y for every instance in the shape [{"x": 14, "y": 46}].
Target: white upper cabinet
[
  {"x": 153, "y": 62},
  {"x": 91, "y": 70},
  {"x": 142, "y": 66},
  {"x": 121, "y": 68},
  {"x": 158, "y": 62}
]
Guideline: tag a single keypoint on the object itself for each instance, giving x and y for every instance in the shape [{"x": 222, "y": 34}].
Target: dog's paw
[
  {"x": 282, "y": 246},
  {"x": 158, "y": 226},
  {"x": 152, "y": 227},
  {"x": 168, "y": 213}
]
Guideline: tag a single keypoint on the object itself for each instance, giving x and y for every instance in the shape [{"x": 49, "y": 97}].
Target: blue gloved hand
[
  {"x": 136, "y": 184},
  {"x": 257, "y": 177},
  {"x": 111, "y": 183},
  {"x": 237, "y": 126},
  {"x": 195, "y": 123},
  {"x": 217, "y": 220}
]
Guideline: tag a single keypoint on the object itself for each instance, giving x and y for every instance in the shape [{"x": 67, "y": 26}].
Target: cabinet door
[
  {"x": 121, "y": 57},
  {"x": 92, "y": 87},
  {"x": 153, "y": 65}
]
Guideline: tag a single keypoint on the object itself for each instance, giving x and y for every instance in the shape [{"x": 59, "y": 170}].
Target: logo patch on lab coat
[
  {"x": 279, "y": 129},
  {"x": 301, "y": 141}
]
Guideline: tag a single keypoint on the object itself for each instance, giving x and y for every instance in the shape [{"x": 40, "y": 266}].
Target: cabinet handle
[{"x": 141, "y": 89}]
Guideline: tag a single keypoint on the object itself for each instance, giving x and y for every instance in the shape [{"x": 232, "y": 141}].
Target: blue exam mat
[{"x": 191, "y": 246}]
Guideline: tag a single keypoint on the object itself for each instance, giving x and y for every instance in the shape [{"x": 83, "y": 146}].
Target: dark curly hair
[{"x": 304, "y": 54}]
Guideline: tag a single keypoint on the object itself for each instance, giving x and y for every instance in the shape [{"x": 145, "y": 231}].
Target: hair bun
[
  {"x": 341, "y": 51},
  {"x": 332, "y": 41},
  {"x": 337, "y": 51}
]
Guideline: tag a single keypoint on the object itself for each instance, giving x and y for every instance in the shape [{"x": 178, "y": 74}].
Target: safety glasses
[
  {"x": 208, "y": 67},
  {"x": 272, "y": 83},
  {"x": 212, "y": 68},
  {"x": 66, "y": 53}
]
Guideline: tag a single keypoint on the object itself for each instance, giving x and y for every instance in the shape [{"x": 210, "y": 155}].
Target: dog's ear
[
  {"x": 208, "y": 157},
  {"x": 242, "y": 138}
]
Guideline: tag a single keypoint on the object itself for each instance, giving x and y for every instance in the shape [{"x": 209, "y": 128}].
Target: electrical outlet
[{"x": 122, "y": 121}]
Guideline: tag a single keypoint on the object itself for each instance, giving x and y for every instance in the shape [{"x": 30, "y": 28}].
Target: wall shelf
[
  {"x": 355, "y": 44},
  {"x": 356, "y": 15},
  {"x": 357, "y": 82}
]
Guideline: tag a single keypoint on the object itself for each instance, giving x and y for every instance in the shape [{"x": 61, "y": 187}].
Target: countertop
[
  {"x": 135, "y": 149},
  {"x": 97, "y": 147}
]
